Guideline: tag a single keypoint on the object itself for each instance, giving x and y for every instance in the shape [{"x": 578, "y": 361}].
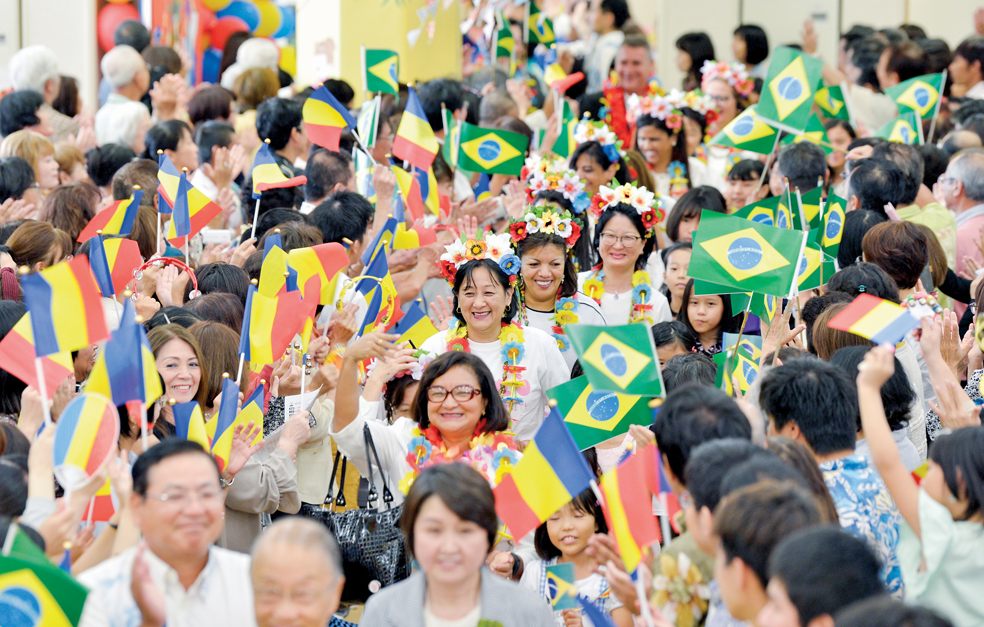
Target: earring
[
  {"x": 458, "y": 310},
  {"x": 507, "y": 307}
]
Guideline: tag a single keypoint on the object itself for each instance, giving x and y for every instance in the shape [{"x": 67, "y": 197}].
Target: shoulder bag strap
[{"x": 371, "y": 449}]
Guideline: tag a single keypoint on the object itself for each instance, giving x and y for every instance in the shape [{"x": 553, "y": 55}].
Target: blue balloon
[
  {"x": 246, "y": 11},
  {"x": 211, "y": 60},
  {"x": 287, "y": 20}
]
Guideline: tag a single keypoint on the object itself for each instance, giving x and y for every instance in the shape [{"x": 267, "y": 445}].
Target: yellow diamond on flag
[
  {"x": 762, "y": 215},
  {"x": 616, "y": 360},
  {"x": 784, "y": 216},
  {"x": 828, "y": 104},
  {"x": 902, "y": 132},
  {"x": 744, "y": 254},
  {"x": 808, "y": 264},
  {"x": 26, "y": 595},
  {"x": 770, "y": 302},
  {"x": 386, "y": 72},
  {"x": 810, "y": 211},
  {"x": 559, "y": 588},
  {"x": 747, "y": 127},
  {"x": 834, "y": 224},
  {"x": 598, "y": 406},
  {"x": 790, "y": 89},
  {"x": 920, "y": 97},
  {"x": 489, "y": 150},
  {"x": 745, "y": 371}
]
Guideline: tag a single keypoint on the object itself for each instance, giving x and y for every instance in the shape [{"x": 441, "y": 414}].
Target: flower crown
[
  {"x": 640, "y": 198},
  {"x": 498, "y": 248},
  {"x": 735, "y": 74},
  {"x": 549, "y": 219},
  {"x": 669, "y": 107},
  {"x": 597, "y": 131},
  {"x": 553, "y": 174}
]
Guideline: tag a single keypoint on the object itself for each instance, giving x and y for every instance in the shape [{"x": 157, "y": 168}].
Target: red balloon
[
  {"x": 225, "y": 26},
  {"x": 111, "y": 16}
]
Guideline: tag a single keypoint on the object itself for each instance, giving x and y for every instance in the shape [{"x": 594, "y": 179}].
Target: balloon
[
  {"x": 215, "y": 5},
  {"x": 286, "y": 23},
  {"x": 111, "y": 16},
  {"x": 211, "y": 59},
  {"x": 269, "y": 18},
  {"x": 246, "y": 11},
  {"x": 288, "y": 60},
  {"x": 225, "y": 26}
]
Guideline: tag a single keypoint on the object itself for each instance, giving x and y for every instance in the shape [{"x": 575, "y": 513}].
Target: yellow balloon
[
  {"x": 288, "y": 60},
  {"x": 269, "y": 18},
  {"x": 214, "y": 5}
]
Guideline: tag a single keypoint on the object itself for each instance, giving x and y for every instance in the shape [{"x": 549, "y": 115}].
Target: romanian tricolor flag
[
  {"x": 269, "y": 324},
  {"x": 876, "y": 319},
  {"x": 276, "y": 275},
  {"x": 415, "y": 141},
  {"x": 415, "y": 326},
  {"x": 324, "y": 120},
  {"x": 266, "y": 174},
  {"x": 86, "y": 435},
  {"x": 103, "y": 506},
  {"x": 117, "y": 219},
  {"x": 167, "y": 188},
  {"x": 192, "y": 212},
  {"x": 408, "y": 239},
  {"x": 309, "y": 309},
  {"x": 628, "y": 506},
  {"x": 222, "y": 428},
  {"x": 427, "y": 183},
  {"x": 551, "y": 473},
  {"x": 125, "y": 369},
  {"x": 375, "y": 295},
  {"x": 65, "y": 307},
  {"x": 920, "y": 473},
  {"x": 410, "y": 191},
  {"x": 383, "y": 239},
  {"x": 112, "y": 262},
  {"x": 189, "y": 423},
  {"x": 17, "y": 357},
  {"x": 324, "y": 261}
]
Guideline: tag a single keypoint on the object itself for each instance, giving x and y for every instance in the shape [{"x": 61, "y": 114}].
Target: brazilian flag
[
  {"x": 789, "y": 89},
  {"x": 363, "y": 175},
  {"x": 491, "y": 151},
  {"x": 810, "y": 206},
  {"x": 764, "y": 306},
  {"x": 751, "y": 344},
  {"x": 451, "y": 136},
  {"x": 618, "y": 359},
  {"x": 832, "y": 102},
  {"x": 904, "y": 129},
  {"x": 380, "y": 71},
  {"x": 539, "y": 28},
  {"x": 777, "y": 211},
  {"x": 832, "y": 226},
  {"x": 505, "y": 45},
  {"x": 814, "y": 133},
  {"x": 745, "y": 254},
  {"x": 814, "y": 269},
  {"x": 739, "y": 364},
  {"x": 565, "y": 144},
  {"x": 594, "y": 416},
  {"x": 747, "y": 132},
  {"x": 920, "y": 94}
]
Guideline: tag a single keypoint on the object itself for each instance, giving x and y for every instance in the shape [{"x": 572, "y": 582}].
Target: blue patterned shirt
[{"x": 865, "y": 508}]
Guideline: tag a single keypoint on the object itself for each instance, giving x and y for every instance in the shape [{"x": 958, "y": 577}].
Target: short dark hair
[
  {"x": 818, "y": 397},
  {"x": 972, "y": 49},
  {"x": 898, "y": 248},
  {"x": 132, "y": 33},
  {"x": 746, "y": 170},
  {"x": 166, "y": 136},
  {"x": 804, "y": 164},
  {"x": 16, "y": 176},
  {"x": 622, "y": 209},
  {"x": 211, "y": 102},
  {"x": 618, "y": 8},
  {"x": 585, "y": 502},
  {"x": 700, "y": 48},
  {"x": 324, "y": 170},
  {"x": 690, "y": 204},
  {"x": 854, "y": 34},
  {"x": 864, "y": 278},
  {"x": 19, "y": 110},
  {"x": 461, "y": 488},
  {"x": 341, "y": 90},
  {"x": 910, "y": 163},
  {"x": 142, "y": 172},
  {"x": 168, "y": 447},
  {"x": 343, "y": 215},
  {"x": 865, "y": 54},
  {"x": 673, "y": 332},
  {"x": 220, "y": 277},
  {"x": 276, "y": 216},
  {"x": 688, "y": 368},
  {"x": 463, "y": 279},
  {"x": 876, "y": 182},
  {"x": 222, "y": 307},
  {"x": 692, "y": 415},
  {"x": 824, "y": 569},
  {"x": 856, "y": 224},
  {"x": 761, "y": 468},
  {"x": 172, "y": 315},
  {"x": 730, "y": 323},
  {"x": 104, "y": 161},
  {"x": 276, "y": 118},
  {"x": 935, "y": 161},
  {"x": 213, "y": 134},
  {"x": 433, "y": 94},
  {"x": 756, "y": 43},
  {"x": 13, "y": 478},
  {"x": 961, "y": 456},
  {"x": 816, "y": 306},
  {"x": 884, "y": 611},
  {"x": 710, "y": 462},
  {"x": 897, "y": 393},
  {"x": 496, "y": 417},
  {"x": 752, "y": 521},
  {"x": 293, "y": 234},
  {"x": 908, "y": 60}
]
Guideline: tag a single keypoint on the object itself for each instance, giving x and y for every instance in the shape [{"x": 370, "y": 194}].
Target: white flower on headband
[
  {"x": 533, "y": 223},
  {"x": 499, "y": 245},
  {"x": 640, "y": 198},
  {"x": 734, "y": 73},
  {"x": 564, "y": 229},
  {"x": 570, "y": 185}
]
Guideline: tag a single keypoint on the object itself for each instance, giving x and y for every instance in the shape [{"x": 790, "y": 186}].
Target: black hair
[
  {"x": 16, "y": 176},
  {"x": 648, "y": 243},
  {"x": 961, "y": 456},
  {"x": 865, "y": 54},
  {"x": 276, "y": 118},
  {"x": 341, "y": 90},
  {"x": 16, "y": 443},
  {"x": 104, "y": 161},
  {"x": 13, "y": 494},
  {"x": 679, "y": 150},
  {"x": 884, "y": 611},
  {"x": 433, "y": 94},
  {"x": 972, "y": 50},
  {"x": 897, "y": 393},
  {"x": 585, "y": 502},
  {"x": 935, "y": 161},
  {"x": 700, "y": 48},
  {"x": 618, "y": 8},
  {"x": 968, "y": 108},
  {"x": 132, "y": 33},
  {"x": 756, "y": 43},
  {"x": 692, "y": 415},
  {"x": 213, "y": 134},
  {"x": 496, "y": 417},
  {"x": 463, "y": 280},
  {"x": 583, "y": 253},
  {"x": 343, "y": 215},
  {"x": 746, "y": 170},
  {"x": 730, "y": 323},
  {"x": 534, "y": 242},
  {"x": 19, "y": 110},
  {"x": 665, "y": 255},
  {"x": 220, "y": 277},
  {"x": 691, "y": 204},
  {"x": 877, "y": 182},
  {"x": 596, "y": 152},
  {"x": 818, "y": 397},
  {"x": 855, "y": 34},
  {"x": 761, "y": 468},
  {"x": 816, "y": 306},
  {"x": 864, "y": 278},
  {"x": 393, "y": 394},
  {"x": 168, "y": 447},
  {"x": 687, "y": 369},
  {"x": 856, "y": 225},
  {"x": 910, "y": 163},
  {"x": 166, "y": 136},
  {"x": 324, "y": 170},
  {"x": 278, "y": 197},
  {"x": 710, "y": 462},
  {"x": 11, "y": 387},
  {"x": 803, "y": 163},
  {"x": 824, "y": 569},
  {"x": 673, "y": 332},
  {"x": 276, "y": 215},
  {"x": 172, "y": 315}
]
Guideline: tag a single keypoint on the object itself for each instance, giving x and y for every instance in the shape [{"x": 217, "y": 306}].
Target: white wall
[{"x": 9, "y": 36}]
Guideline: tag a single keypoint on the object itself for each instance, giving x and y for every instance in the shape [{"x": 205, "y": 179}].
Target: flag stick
[
  {"x": 187, "y": 259},
  {"x": 92, "y": 506},
  {"x": 647, "y": 615},
  {"x": 43, "y": 390},
  {"x": 256, "y": 216},
  {"x": 242, "y": 360},
  {"x": 939, "y": 101},
  {"x": 303, "y": 374},
  {"x": 768, "y": 161},
  {"x": 157, "y": 243},
  {"x": 664, "y": 520},
  {"x": 144, "y": 423},
  {"x": 741, "y": 330},
  {"x": 116, "y": 308}
]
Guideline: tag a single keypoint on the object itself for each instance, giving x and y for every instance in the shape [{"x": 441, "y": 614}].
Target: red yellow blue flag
[
  {"x": 628, "y": 506},
  {"x": 415, "y": 326},
  {"x": 410, "y": 191},
  {"x": 117, "y": 219},
  {"x": 86, "y": 435},
  {"x": 269, "y": 324},
  {"x": 167, "y": 188},
  {"x": 276, "y": 275},
  {"x": 17, "y": 357},
  {"x": 875, "y": 319},
  {"x": 383, "y": 239},
  {"x": 415, "y": 141},
  {"x": 192, "y": 211},
  {"x": 126, "y": 369},
  {"x": 324, "y": 261},
  {"x": 113, "y": 261},
  {"x": 266, "y": 174},
  {"x": 221, "y": 429},
  {"x": 189, "y": 423},
  {"x": 325, "y": 118}
]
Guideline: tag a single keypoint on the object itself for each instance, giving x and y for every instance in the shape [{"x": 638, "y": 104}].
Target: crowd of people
[{"x": 844, "y": 487}]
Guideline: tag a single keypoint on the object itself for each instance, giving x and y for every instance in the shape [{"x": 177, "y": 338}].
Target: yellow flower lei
[
  {"x": 594, "y": 286},
  {"x": 513, "y": 349}
]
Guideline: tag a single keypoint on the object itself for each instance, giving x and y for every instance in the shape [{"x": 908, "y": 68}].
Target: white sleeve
[
  {"x": 389, "y": 445},
  {"x": 661, "y": 308}
]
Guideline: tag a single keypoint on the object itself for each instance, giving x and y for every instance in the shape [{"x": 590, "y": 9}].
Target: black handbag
[{"x": 374, "y": 552}]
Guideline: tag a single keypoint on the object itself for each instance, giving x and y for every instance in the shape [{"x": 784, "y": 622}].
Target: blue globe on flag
[
  {"x": 392, "y": 73},
  {"x": 921, "y": 96},
  {"x": 744, "y": 253},
  {"x": 789, "y": 88},
  {"x": 763, "y": 218},
  {"x": 743, "y": 126},
  {"x": 489, "y": 150},
  {"x": 614, "y": 360},
  {"x": 833, "y": 225},
  {"x": 20, "y": 607},
  {"x": 602, "y": 406},
  {"x": 749, "y": 371}
]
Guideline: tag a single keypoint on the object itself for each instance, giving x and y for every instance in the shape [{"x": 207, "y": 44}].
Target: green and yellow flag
[
  {"x": 594, "y": 416},
  {"x": 618, "y": 359},
  {"x": 810, "y": 206},
  {"x": 902, "y": 129},
  {"x": 539, "y": 28},
  {"x": 747, "y": 132},
  {"x": 745, "y": 254},
  {"x": 814, "y": 133},
  {"x": 565, "y": 144},
  {"x": 505, "y": 45},
  {"x": 832, "y": 102},
  {"x": 789, "y": 89},
  {"x": 774, "y": 211},
  {"x": 380, "y": 71},
  {"x": 492, "y": 151},
  {"x": 814, "y": 269},
  {"x": 451, "y": 136},
  {"x": 831, "y": 229},
  {"x": 368, "y": 121},
  {"x": 736, "y": 363},
  {"x": 920, "y": 94}
]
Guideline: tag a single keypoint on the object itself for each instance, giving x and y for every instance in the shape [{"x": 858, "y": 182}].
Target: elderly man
[
  {"x": 634, "y": 66},
  {"x": 35, "y": 68},
  {"x": 127, "y": 73},
  {"x": 961, "y": 189}
]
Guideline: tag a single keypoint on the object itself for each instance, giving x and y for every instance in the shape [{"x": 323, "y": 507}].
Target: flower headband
[
  {"x": 668, "y": 107},
  {"x": 545, "y": 175},
  {"x": 735, "y": 74},
  {"x": 598, "y": 131},
  {"x": 498, "y": 248},
  {"x": 549, "y": 219},
  {"x": 639, "y": 198}
]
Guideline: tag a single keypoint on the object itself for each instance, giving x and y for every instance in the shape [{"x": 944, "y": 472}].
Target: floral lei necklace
[
  {"x": 492, "y": 454},
  {"x": 565, "y": 312},
  {"x": 641, "y": 309},
  {"x": 513, "y": 350}
]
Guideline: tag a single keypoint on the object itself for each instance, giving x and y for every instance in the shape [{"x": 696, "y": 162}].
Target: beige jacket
[
  {"x": 314, "y": 458},
  {"x": 260, "y": 487}
]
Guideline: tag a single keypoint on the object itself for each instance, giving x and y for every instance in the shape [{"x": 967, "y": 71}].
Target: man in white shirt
[
  {"x": 127, "y": 72},
  {"x": 967, "y": 68},
  {"x": 36, "y": 68},
  {"x": 178, "y": 504}
]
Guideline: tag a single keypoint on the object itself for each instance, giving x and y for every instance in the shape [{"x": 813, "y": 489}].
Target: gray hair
[
  {"x": 120, "y": 65},
  {"x": 32, "y": 67},
  {"x": 495, "y": 105},
  {"x": 967, "y": 166},
  {"x": 303, "y": 532},
  {"x": 127, "y": 118}
]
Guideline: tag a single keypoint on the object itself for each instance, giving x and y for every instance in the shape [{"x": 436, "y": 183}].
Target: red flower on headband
[
  {"x": 649, "y": 219},
  {"x": 575, "y": 233},
  {"x": 518, "y": 231},
  {"x": 448, "y": 270}
]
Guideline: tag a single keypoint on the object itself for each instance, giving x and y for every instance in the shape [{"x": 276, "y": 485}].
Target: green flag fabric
[
  {"x": 539, "y": 28},
  {"x": 451, "y": 136},
  {"x": 380, "y": 71},
  {"x": 920, "y": 94},
  {"x": 831, "y": 101},
  {"x": 595, "y": 416},
  {"x": 814, "y": 133},
  {"x": 747, "y": 132},
  {"x": 368, "y": 121},
  {"x": 902, "y": 129},
  {"x": 832, "y": 226},
  {"x": 619, "y": 358},
  {"x": 789, "y": 90},
  {"x": 492, "y": 151}
]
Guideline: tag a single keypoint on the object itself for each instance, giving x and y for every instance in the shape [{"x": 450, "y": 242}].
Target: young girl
[
  {"x": 941, "y": 547},
  {"x": 563, "y": 540},
  {"x": 684, "y": 218},
  {"x": 673, "y": 338},
  {"x": 709, "y": 317},
  {"x": 676, "y": 260}
]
